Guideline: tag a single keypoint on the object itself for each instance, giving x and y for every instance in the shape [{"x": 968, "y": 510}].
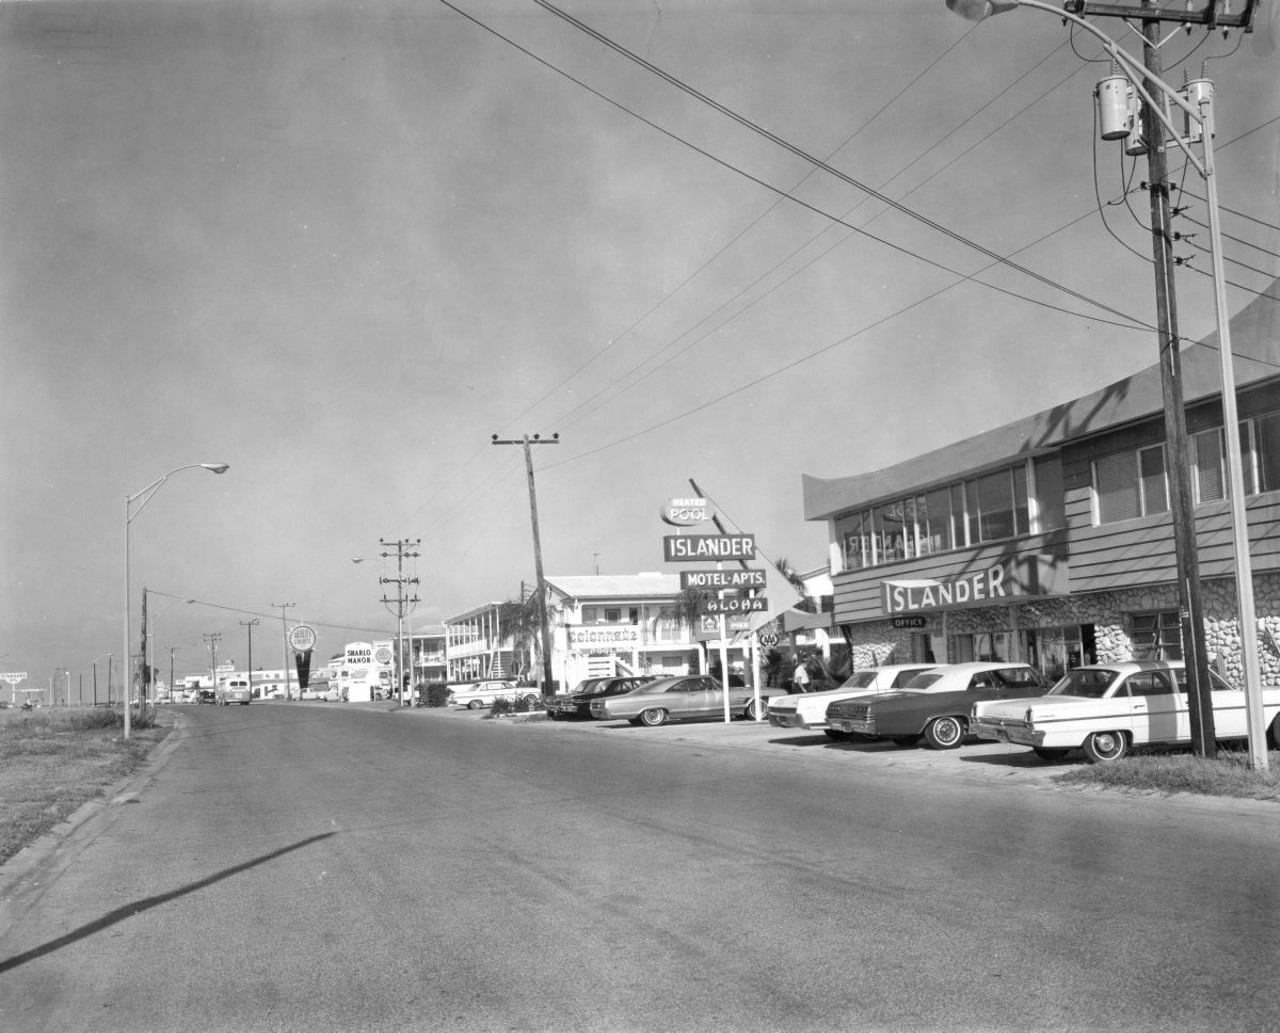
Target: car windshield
[
  {"x": 1084, "y": 681},
  {"x": 859, "y": 680}
]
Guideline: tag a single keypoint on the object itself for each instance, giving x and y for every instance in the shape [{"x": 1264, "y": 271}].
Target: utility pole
[
  {"x": 248, "y": 625},
  {"x": 172, "y": 698},
  {"x": 526, "y": 441},
  {"x": 403, "y": 606},
  {"x": 1181, "y": 503},
  {"x": 211, "y": 640},
  {"x": 284, "y": 645}
]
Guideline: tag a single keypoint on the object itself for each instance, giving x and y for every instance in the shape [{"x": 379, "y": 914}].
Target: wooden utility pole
[{"x": 526, "y": 442}]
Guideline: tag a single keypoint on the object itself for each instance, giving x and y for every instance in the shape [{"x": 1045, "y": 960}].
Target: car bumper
[
  {"x": 852, "y": 726},
  {"x": 785, "y": 719},
  {"x": 1007, "y": 731}
]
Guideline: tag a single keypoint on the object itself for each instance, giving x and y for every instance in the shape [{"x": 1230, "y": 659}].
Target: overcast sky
[{"x": 340, "y": 244}]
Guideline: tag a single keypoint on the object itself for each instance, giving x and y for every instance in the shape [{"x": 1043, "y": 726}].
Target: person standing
[{"x": 801, "y": 677}]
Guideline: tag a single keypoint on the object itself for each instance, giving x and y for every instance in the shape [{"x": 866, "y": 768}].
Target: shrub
[
  {"x": 525, "y": 703},
  {"x": 437, "y": 694}
]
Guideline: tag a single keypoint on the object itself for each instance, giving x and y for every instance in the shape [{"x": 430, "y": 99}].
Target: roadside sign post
[{"x": 14, "y": 678}]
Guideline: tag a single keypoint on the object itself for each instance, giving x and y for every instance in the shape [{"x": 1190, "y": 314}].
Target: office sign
[
  {"x": 694, "y": 548},
  {"x": 717, "y": 580}
]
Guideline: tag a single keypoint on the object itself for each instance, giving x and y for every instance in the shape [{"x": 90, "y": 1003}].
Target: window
[
  {"x": 1156, "y": 636},
  {"x": 612, "y": 615},
  {"x": 855, "y": 541},
  {"x": 1149, "y": 683},
  {"x": 1208, "y": 479},
  {"x": 989, "y": 508},
  {"x": 933, "y": 517},
  {"x": 1130, "y": 484},
  {"x": 1266, "y": 453}
]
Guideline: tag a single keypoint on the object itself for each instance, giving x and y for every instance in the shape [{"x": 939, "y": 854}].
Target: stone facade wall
[{"x": 878, "y": 642}]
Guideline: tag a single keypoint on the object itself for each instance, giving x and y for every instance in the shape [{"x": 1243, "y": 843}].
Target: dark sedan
[
  {"x": 940, "y": 715},
  {"x": 578, "y": 702}
]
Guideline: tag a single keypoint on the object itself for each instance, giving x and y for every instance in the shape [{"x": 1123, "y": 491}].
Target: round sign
[
  {"x": 687, "y": 512},
  {"x": 382, "y": 655},
  {"x": 768, "y": 640},
  {"x": 302, "y": 637}
]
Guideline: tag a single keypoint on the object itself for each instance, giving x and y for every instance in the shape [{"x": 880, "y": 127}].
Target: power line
[{"x": 799, "y": 152}]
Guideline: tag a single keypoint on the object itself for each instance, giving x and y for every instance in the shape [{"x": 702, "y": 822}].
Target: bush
[
  {"x": 523, "y": 704},
  {"x": 437, "y": 694}
]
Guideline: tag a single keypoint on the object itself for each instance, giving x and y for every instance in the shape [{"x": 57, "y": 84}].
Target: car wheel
[
  {"x": 474, "y": 704},
  {"x": 1049, "y": 753},
  {"x": 752, "y": 713},
  {"x": 531, "y": 699},
  {"x": 1275, "y": 732},
  {"x": 904, "y": 740},
  {"x": 837, "y": 735},
  {"x": 1102, "y": 747},
  {"x": 944, "y": 733},
  {"x": 653, "y": 717}
]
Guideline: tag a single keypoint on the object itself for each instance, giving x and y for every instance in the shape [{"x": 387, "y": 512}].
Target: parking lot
[{"x": 983, "y": 760}]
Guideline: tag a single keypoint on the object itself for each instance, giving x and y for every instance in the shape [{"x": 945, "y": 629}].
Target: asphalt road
[{"x": 324, "y": 867}]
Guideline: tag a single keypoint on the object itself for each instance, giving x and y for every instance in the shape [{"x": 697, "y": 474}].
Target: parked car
[
  {"x": 482, "y": 694},
  {"x": 207, "y": 696},
  {"x": 333, "y": 694},
  {"x": 809, "y": 709},
  {"x": 936, "y": 704},
  {"x": 1105, "y": 710},
  {"x": 678, "y": 698},
  {"x": 578, "y": 702}
]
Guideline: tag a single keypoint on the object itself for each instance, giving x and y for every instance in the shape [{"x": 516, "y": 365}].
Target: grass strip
[
  {"x": 53, "y": 760},
  {"x": 1228, "y": 774}
]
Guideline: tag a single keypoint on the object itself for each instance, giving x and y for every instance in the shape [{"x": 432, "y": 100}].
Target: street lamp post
[
  {"x": 1197, "y": 105},
  {"x": 146, "y": 495}
]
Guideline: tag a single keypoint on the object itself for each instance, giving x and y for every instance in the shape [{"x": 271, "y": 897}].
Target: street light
[
  {"x": 146, "y": 495},
  {"x": 1200, "y": 123}
]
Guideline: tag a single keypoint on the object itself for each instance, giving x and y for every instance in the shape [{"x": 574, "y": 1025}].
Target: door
[
  {"x": 1159, "y": 713},
  {"x": 704, "y": 697}
]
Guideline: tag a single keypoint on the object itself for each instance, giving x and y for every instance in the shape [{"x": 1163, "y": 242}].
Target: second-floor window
[
  {"x": 990, "y": 508},
  {"x": 1135, "y": 483}
]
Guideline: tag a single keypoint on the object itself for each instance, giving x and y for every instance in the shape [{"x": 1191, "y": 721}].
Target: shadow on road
[{"x": 147, "y": 903}]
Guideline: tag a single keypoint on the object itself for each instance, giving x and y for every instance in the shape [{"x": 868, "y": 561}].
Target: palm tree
[
  {"x": 518, "y": 619},
  {"x": 806, "y": 603}
]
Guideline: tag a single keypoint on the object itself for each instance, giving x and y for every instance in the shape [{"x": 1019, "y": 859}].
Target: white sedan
[
  {"x": 1106, "y": 709},
  {"x": 809, "y": 709},
  {"x": 482, "y": 694}
]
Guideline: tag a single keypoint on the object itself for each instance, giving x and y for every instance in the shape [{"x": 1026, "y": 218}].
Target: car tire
[
  {"x": 837, "y": 735},
  {"x": 1049, "y": 753},
  {"x": 945, "y": 733},
  {"x": 1104, "y": 747},
  {"x": 474, "y": 704},
  {"x": 531, "y": 699},
  {"x": 752, "y": 712},
  {"x": 1275, "y": 732},
  {"x": 653, "y": 717},
  {"x": 904, "y": 740}
]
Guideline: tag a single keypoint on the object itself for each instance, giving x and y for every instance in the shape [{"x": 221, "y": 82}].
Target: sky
[{"x": 340, "y": 244}]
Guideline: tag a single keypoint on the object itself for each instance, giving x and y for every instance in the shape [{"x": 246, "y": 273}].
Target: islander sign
[
  {"x": 696, "y": 548},
  {"x": 908, "y": 596}
]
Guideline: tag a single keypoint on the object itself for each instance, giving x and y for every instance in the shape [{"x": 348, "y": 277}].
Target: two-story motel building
[{"x": 1049, "y": 540}]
